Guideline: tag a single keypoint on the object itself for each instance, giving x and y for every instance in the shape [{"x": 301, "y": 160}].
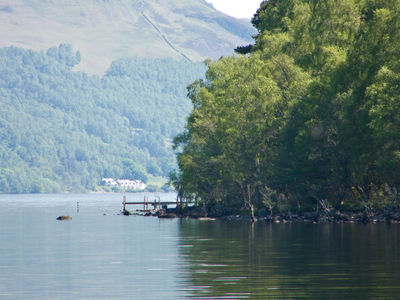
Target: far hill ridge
[{"x": 106, "y": 30}]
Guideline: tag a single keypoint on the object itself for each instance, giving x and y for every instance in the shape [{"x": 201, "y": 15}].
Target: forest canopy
[
  {"x": 307, "y": 118},
  {"x": 63, "y": 130}
]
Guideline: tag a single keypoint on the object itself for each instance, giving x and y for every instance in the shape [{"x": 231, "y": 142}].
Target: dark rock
[
  {"x": 64, "y": 218},
  {"x": 126, "y": 213},
  {"x": 167, "y": 216}
]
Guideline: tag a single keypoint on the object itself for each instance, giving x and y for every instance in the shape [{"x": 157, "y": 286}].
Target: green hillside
[
  {"x": 62, "y": 130},
  {"x": 104, "y": 31},
  {"x": 108, "y": 101}
]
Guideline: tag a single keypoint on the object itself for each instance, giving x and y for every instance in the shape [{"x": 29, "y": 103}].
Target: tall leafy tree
[{"x": 307, "y": 118}]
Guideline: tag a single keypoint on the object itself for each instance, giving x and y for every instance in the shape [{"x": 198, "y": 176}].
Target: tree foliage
[{"x": 307, "y": 119}]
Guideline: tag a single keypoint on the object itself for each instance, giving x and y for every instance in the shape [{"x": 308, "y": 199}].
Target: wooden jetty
[{"x": 156, "y": 204}]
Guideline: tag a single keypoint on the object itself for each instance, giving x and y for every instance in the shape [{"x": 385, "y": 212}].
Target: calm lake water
[{"x": 102, "y": 255}]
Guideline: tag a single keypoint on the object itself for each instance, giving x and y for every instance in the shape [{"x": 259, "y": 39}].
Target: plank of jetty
[{"x": 151, "y": 202}]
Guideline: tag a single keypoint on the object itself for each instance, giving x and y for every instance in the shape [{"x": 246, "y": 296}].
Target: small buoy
[{"x": 64, "y": 218}]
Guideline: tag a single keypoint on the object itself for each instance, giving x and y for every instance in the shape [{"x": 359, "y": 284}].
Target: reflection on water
[
  {"x": 93, "y": 256},
  {"x": 102, "y": 255},
  {"x": 235, "y": 260}
]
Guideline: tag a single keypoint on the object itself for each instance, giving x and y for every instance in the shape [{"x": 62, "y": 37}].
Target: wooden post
[{"x": 124, "y": 203}]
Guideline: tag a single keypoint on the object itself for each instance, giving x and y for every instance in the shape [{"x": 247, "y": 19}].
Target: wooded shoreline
[
  {"x": 388, "y": 215},
  {"x": 305, "y": 121}
]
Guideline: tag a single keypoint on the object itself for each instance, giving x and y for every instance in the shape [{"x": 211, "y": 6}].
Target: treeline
[
  {"x": 63, "y": 130},
  {"x": 307, "y": 119}
]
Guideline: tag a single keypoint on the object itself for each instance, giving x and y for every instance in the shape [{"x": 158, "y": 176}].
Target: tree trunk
[
  {"x": 252, "y": 217},
  {"x": 365, "y": 198},
  {"x": 251, "y": 205},
  {"x": 395, "y": 195}
]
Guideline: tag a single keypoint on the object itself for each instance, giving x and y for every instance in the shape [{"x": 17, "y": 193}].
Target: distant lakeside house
[{"x": 126, "y": 184}]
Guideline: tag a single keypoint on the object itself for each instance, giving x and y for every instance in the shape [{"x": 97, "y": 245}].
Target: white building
[
  {"x": 109, "y": 182},
  {"x": 128, "y": 184}
]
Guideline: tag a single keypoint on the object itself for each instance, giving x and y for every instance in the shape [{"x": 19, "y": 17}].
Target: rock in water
[{"x": 64, "y": 218}]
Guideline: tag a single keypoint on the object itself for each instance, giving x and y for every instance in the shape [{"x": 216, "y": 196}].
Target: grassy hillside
[{"x": 104, "y": 31}]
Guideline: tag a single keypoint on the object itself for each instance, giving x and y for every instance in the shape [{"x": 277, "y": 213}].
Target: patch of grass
[
  {"x": 104, "y": 31},
  {"x": 157, "y": 181}
]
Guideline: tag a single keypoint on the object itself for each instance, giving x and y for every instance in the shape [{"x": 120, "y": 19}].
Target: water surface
[
  {"x": 100, "y": 254},
  {"x": 292, "y": 261}
]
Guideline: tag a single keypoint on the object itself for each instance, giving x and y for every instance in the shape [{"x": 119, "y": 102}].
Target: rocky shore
[{"x": 332, "y": 216}]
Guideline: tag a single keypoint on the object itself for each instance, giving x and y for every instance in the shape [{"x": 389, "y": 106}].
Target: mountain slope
[
  {"x": 62, "y": 130},
  {"x": 105, "y": 30},
  {"x": 97, "y": 88}
]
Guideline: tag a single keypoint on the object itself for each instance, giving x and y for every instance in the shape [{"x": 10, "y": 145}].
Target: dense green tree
[
  {"x": 308, "y": 119},
  {"x": 229, "y": 145}
]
